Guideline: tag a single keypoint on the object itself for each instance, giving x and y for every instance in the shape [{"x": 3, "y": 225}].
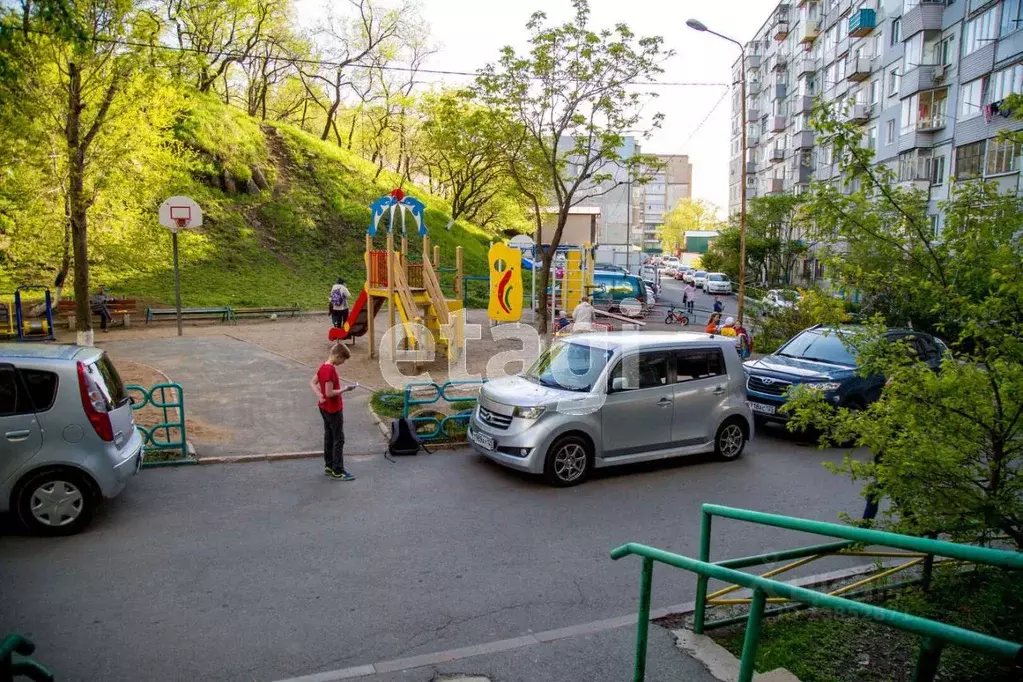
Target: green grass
[
  {"x": 820, "y": 646},
  {"x": 387, "y": 403}
]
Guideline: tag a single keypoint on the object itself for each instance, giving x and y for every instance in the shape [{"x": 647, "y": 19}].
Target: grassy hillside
[{"x": 283, "y": 244}]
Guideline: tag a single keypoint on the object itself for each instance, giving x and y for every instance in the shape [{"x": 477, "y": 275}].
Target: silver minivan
[
  {"x": 67, "y": 435},
  {"x": 598, "y": 400}
]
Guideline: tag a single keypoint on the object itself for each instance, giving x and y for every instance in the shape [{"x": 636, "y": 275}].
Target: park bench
[
  {"x": 291, "y": 310},
  {"x": 223, "y": 313},
  {"x": 123, "y": 308}
]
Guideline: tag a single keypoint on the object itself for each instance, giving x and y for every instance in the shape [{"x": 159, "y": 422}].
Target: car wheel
[
  {"x": 568, "y": 462},
  {"x": 56, "y": 502},
  {"x": 731, "y": 439}
]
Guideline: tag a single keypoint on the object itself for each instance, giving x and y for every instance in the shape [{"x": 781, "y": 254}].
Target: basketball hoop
[{"x": 180, "y": 213}]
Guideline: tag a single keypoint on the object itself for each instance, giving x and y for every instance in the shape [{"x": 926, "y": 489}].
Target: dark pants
[
  {"x": 333, "y": 439},
  {"x": 690, "y": 304},
  {"x": 339, "y": 317},
  {"x": 104, "y": 316}
]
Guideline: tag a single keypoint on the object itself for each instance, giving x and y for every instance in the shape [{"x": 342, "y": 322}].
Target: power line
[
  {"x": 328, "y": 63},
  {"x": 707, "y": 117}
]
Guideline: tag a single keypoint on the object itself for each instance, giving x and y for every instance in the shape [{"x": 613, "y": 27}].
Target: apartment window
[
  {"x": 935, "y": 224},
  {"x": 1012, "y": 16},
  {"x": 937, "y": 175},
  {"x": 971, "y": 98},
  {"x": 877, "y": 43},
  {"x": 914, "y": 55},
  {"x": 894, "y": 80},
  {"x": 873, "y": 92},
  {"x": 943, "y": 51},
  {"x": 831, "y": 38},
  {"x": 895, "y": 35},
  {"x": 840, "y": 64},
  {"x": 980, "y": 31},
  {"x": 970, "y": 161},
  {"x": 872, "y": 137},
  {"x": 1005, "y": 82},
  {"x": 889, "y": 132},
  {"x": 924, "y": 111},
  {"x": 1001, "y": 156},
  {"x": 915, "y": 165}
]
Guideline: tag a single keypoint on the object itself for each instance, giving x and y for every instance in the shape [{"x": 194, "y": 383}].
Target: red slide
[{"x": 358, "y": 322}]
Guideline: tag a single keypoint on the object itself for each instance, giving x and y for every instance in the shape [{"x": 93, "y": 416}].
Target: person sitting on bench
[{"x": 98, "y": 305}]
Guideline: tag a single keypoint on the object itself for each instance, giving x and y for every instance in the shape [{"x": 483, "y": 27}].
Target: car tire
[
  {"x": 56, "y": 502},
  {"x": 730, "y": 440},
  {"x": 568, "y": 462}
]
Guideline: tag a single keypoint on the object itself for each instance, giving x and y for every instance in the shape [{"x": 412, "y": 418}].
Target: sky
[{"x": 469, "y": 34}]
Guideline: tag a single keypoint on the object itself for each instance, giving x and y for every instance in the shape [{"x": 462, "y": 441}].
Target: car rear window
[
  {"x": 698, "y": 363},
  {"x": 24, "y": 391},
  {"x": 821, "y": 347},
  {"x": 109, "y": 381},
  {"x": 42, "y": 387}
]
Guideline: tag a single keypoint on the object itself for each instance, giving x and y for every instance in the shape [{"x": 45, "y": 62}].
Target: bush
[{"x": 778, "y": 325}]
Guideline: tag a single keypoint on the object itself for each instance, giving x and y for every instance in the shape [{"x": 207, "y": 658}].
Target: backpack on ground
[{"x": 404, "y": 441}]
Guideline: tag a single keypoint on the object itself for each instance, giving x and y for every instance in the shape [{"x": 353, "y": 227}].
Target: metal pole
[
  {"x": 927, "y": 661},
  {"x": 700, "y": 612},
  {"x": 752, "y": 638},
  {"x": 742, "y": 190},
  {"x": 643, "y": 627},
  {"x": 628, "y": 226},
  {"x": 177, "y": 279}
]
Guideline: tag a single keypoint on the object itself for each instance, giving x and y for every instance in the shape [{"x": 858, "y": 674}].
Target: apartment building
[
  {"x": 924, "y": 79},
  {"x": 612, "y": 196},
  {"x": 669, "y": 185}
]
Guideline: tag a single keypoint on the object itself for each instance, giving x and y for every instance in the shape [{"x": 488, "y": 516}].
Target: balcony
[
  {"x": 857, "y": 68},
  {"x": 859, "y": 113},
  {"x": 781, "y": 62},
  {"x": 803, "y": 139},
  {"x": 921, "y": 185},
  {"x": 754, "y": 86},
  {"x": 751, "y": 167},
  {"x": 778, "y": 124},
  {"x": 781, "y": 29},
  {"x": 752, "y": 114},
  {"x": 752, "y": 141},
  {"x": 862, "y": 22},
  {"x": 802, "y": 173},
  {"x": 779, "y": 92},
  {"x": 929, "y": 124},
  {"x": 777, "y": 154},
  {"x": 924, "y": 17},
  {"x": 753, "y": 61},
  {"x": 923, "y": 77},
  {"x": 802, "y": 105},
  {"x": 775, "y": 186},
  {"x": 809, "y": 32},
  {"x": 805, "y": 65}
]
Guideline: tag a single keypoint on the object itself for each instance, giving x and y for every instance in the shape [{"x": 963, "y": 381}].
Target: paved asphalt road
[
  {"x": 671, "y": 293},
  {"x": 264, "y": 571}
]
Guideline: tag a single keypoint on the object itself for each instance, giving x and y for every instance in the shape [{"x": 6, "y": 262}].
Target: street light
[{"x": 699, "y": 26}]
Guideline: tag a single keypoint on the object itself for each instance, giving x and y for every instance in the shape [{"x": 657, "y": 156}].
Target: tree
[
  {"x": 949, "y": 444},
  {"x": 571, "y": 97},
  {"x": 687, "y": 215}
]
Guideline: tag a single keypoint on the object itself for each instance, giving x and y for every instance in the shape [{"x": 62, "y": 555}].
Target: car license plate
[
  {"x": 762, "y": 408},
  {"x": 485, "y": 442}
]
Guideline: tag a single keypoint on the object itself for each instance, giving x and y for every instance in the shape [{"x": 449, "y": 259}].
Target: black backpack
[{"x": 404, "y": 442}]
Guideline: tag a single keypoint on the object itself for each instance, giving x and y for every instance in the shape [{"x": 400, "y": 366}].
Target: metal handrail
[
  {"x": 26, "y": 667},
  {"x": 935, "y": 634}
]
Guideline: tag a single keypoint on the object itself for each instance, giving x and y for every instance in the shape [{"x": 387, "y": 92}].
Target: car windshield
[
  {"x": 822, "y": 347},
  {"x": 716, "y": 278},
  {"x": 570, "y": 366},
  {"x": 701, "y": 273}
]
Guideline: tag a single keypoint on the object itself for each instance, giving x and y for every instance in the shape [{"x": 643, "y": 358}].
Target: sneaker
[
  {"x": 341, "y": 475},
  {"x": 326, "y": 471}
]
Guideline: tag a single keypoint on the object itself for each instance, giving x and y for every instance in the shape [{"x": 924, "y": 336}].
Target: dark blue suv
[{"x": 820, "y": 357}]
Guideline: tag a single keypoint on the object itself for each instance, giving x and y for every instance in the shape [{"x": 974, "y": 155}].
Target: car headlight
[
  {"x": 528, "y": 412},
  {"x": 827, "y": 386}
]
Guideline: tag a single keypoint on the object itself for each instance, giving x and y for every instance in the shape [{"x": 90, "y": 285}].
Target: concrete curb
[
  {"x": 590, "y": 628},
  {"x": 719, "y": 661}
]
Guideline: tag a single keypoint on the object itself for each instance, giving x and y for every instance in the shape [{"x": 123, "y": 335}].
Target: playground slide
[{"x": 358, "y": 321}]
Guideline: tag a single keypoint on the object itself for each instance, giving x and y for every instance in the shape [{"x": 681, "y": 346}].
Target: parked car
[
  {"x": 670, "y": 271},
  {"x": 69, "y": 435},
  {"x": 600, "y": 400},
  {"x": 781, "y": 298},
  {"x": 699, "y": 277},
  {"x": 613, "y": 288},
  {"x": 689, "y": 275},
  {"x": 653, "y": 286},
  {"x": 821, "y": 358},
  {"x": 672, "y": 261},
  {"x": 717, "y": 283},
  {"x": 609, "y": 267}
]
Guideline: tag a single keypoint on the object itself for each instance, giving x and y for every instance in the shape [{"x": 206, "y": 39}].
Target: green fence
[
  {"x": 24, "y": 666},
  {"x": 439, "y": 392},
  {"x": 934, "y": 635},
  {"x": 159, "y": 436}
]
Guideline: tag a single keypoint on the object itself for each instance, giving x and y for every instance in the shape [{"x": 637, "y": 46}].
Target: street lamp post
[{"x": 699, "y": 26}]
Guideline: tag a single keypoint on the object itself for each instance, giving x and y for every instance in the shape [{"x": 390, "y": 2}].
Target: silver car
[
  {"x": 67, "y": 435},
  {"x": 599, "y": 400}
]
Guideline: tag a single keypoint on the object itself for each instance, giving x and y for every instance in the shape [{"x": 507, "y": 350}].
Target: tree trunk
[{"x": 77, "y": 207}]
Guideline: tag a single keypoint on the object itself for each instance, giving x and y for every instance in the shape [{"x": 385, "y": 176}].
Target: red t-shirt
[{"x": 327, "y": 374}]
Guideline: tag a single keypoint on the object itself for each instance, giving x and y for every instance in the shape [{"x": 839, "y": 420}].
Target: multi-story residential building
[
  {"x": 670, "y": 184},
  {"x": 611, "y": 196},
  {"x": 924, "y": 79}
]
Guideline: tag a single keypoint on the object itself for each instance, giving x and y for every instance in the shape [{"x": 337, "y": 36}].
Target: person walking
[
  {"x": 326, "y": 384},
  {"x": 689, "y": 297},
  {"x": 339, "y": 296},
  {"x": 719, "y": 307},
  {"x": 98, "y": 305}
]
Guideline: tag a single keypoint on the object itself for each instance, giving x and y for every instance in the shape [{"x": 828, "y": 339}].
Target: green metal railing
[
  {"x": 934, "y": 635},
  {"x": 24, "y": 667},
  {"x": 440, "y": 392},
  {"x": 142, "y": 397}
]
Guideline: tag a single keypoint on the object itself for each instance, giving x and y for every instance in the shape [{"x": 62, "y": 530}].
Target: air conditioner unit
[{"x": 939, "y": 72}]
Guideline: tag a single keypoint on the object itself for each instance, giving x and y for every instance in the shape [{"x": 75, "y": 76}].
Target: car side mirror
[{"x": 618, "y": 384}]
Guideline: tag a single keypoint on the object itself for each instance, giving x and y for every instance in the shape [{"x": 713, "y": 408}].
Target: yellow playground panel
[
  {"x": 8, "y": 324},
  {"x": 506, "y": 288}
]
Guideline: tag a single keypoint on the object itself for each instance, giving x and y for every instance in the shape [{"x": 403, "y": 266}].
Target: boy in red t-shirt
[{"x": 326, "y": 384}]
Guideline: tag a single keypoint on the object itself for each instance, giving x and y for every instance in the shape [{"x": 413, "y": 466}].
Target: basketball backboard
[{"x": 180, "y": 213}]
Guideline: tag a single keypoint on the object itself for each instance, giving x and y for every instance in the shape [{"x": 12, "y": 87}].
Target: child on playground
[{"x": 326, "y": 384}]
